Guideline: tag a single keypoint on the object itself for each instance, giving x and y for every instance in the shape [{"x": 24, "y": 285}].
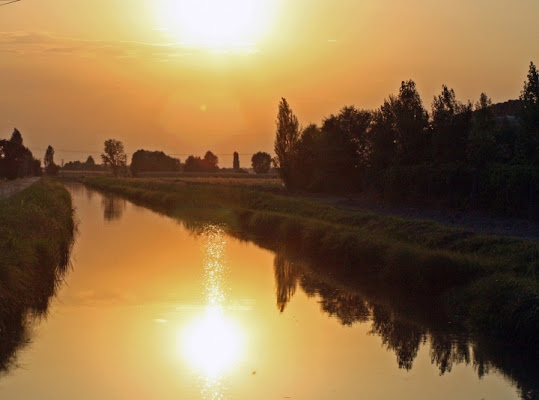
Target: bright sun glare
[
  {"x": 213, "y": 343},
  {"x": 216, "y": 23}
]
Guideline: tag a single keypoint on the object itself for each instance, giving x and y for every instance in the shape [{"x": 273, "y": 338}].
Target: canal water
[{"x": 153, "y": 309}]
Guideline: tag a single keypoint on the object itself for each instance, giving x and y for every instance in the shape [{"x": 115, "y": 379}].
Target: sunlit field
[
  {"x": 267, "y": 182},
  {"x": 251, "y": 181}
]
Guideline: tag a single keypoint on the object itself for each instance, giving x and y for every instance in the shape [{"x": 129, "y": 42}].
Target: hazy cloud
[{"x": 46, "y": 44}]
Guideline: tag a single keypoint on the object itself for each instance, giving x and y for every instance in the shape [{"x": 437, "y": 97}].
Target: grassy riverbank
[
  {"x": 490, "y": 281},
  {"x": 36, "y": 235}
]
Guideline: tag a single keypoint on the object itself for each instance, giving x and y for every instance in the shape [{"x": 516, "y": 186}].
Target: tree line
[
  {"x": 114, "y": 157},
  {"x": 459, "y": 152},
  {"x": 17, "y": 161},
  {"x": 88, "y": 165}
]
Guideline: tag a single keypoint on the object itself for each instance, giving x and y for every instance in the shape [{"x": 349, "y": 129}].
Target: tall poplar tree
[{"x": 286, "y": 139}]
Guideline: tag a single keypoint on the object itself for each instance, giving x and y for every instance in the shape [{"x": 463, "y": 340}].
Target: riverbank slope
[{"x": 36, "y": 235}]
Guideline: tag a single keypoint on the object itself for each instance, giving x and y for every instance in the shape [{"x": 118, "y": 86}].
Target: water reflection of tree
[
  {"x": 404, "y": 325},
  {"x": 399, "y": 336},
  {"x": 89, "y": 193},
  {"x": 448, "y": 349},
  {"x": 346, "y": 307},
  {"x": 286, "y": 280},
  {"x": 404, "y": 333},
  {"x": 113, "y": 207}
]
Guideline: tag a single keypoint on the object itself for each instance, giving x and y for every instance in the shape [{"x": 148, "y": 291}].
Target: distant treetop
[
  {"x": 153, "y": 161},
  {"x": 16, "y": 138},
  {"x": 114, "y": 155}
]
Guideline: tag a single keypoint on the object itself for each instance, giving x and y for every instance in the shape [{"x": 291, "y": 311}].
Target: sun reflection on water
[{"x": 214, "y": 342}]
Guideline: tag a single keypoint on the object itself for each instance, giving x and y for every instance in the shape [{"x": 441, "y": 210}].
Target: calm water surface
[{"x": 152, "y": 310}]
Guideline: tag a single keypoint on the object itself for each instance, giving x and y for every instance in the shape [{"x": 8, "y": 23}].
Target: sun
[{"x": 216, "y": 23}]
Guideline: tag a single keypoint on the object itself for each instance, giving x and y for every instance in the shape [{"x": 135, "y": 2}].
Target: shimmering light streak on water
[
  {"x": 214, "y": 265},
  {"x": 213, "y": 342}
]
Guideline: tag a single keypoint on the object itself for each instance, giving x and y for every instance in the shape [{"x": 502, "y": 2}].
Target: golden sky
[{"x": 186, "y": 76}]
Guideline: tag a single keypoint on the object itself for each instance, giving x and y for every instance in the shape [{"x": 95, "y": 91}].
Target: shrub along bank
[
  {"x": 491, "y": 281},
  {"x": 36, "y": 235}
]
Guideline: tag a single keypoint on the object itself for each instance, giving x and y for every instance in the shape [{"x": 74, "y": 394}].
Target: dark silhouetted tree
[
  {"x": 354, "y": 125},
  {"x": 16, "y": 138},
  {"x": 261, "y": 162},
  {"x": 286, "y": 139},
  {"x": 193, "y": 164},
  {"x": 88, "y": 165},
  {"x": 451, "y": 125},
  {"x": 308, "y": 169},
  {"x": 26, "y": 166},
  {"x": 207, "y": 164},
  {"x": 16, "y": 161},
  {"x": 529, "y": 115},
  {"x": 236, "y": 162},
  {"x": 530, "y": 101},
  {"x": 153, "y": 161},
  {"x": 49, "y": 157},
  {"x": 211, "y": 161},
  {"x": 510, "y": 146},
  {"x": 36, "y": 167},
  {"x": 50, "y": 167},
  {"x": 481, "y": 142},
  {"x": 400, "y": 131},
  {"x": 343, "y": 149},
  {"x": 382, "y": 141},
  {"x": 411, "y": 126},
  {"x": 114, "y": 155}
]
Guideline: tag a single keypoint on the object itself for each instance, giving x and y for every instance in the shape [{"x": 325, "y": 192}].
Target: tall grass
[
  {"x": 413, "y": 256},
  {"x": 36, "y": 236}
]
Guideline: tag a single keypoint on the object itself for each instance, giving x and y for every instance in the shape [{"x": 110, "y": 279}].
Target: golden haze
[{"x": 75, "y": 73}]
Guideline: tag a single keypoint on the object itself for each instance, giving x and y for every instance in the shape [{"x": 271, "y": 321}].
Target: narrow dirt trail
[{"x": 8, "y": 188}]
